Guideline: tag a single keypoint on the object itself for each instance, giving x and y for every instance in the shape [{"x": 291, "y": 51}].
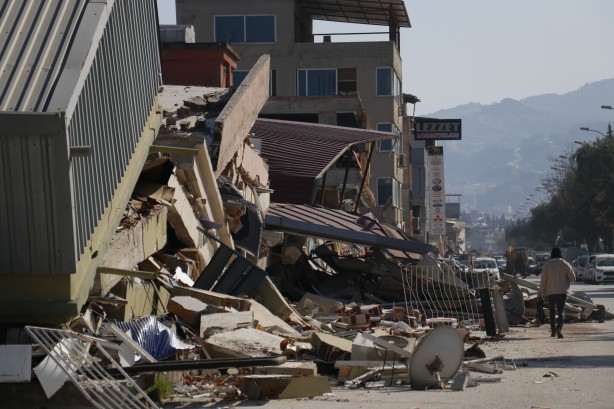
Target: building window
[
  {"x": 389, "y": 145},
  {"x": 388, "y": 83},
  {"x": 388, "y": 192},
  {"x": 238, "y": 76},
  {"x": 316, "y": 82},
  {"x": 245, "y": 29},
  {"x": 347, "y": 84},
  {"x": 273, "y": 83}
]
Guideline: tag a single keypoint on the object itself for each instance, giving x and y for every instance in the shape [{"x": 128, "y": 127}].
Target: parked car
[
  {"x": 487, "y": 264},
  {"x": 502, "y": 264},
  {"x": 600, "y": 269},
  {"x": 540, "y": 260},
  {"x": 533, "y": 267},
  {"x": 579, "y": 266}
]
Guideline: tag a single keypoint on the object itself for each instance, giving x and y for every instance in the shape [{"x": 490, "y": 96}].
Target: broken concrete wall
[
  {"x": 236, "y": 119},
  {"x": 132, "y": 245}
]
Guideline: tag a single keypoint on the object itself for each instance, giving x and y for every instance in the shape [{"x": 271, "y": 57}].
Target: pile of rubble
[
  {"x": 208, "y": 346},
  {"x": 198, "y": 298},
  {"x": 211, "y": 346}
]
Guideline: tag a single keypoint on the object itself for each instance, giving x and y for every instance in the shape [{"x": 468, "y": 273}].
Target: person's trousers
[{"x": 556, "y": 304}]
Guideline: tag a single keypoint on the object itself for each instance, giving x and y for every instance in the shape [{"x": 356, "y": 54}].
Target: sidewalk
[{"x": 570, "y": 373}]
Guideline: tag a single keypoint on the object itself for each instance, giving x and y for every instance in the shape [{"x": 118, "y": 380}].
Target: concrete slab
[
  {"x": 15, "y": 363},
  {"x": 188, "y": 309},
  {"x": 226, "y": 320},
  {"x": 243, "y": 343}
]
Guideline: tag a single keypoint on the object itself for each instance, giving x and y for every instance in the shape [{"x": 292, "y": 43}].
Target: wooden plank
[{"x": 364, "y": 364}]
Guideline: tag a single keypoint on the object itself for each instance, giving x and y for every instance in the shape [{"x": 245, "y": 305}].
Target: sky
[{"x": 483, "y": 51}]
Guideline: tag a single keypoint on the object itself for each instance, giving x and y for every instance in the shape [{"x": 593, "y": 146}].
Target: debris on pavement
[{"x": 287, "y": 313}]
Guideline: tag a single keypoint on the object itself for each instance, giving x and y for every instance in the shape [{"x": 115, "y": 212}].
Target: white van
[
  {"x": 579, "y": 266},
  {"x": 487, "y": 264},
  {"x": 600, "y": 269}
]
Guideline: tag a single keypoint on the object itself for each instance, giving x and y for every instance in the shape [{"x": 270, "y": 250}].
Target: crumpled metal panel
[
  {"x": 292, "y": 175},
  {"x": 155, "y": 337},
  {"x": 71, "y": 354}
]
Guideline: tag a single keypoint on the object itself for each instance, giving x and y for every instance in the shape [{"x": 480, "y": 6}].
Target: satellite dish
[{"x": 437, "y": 358}]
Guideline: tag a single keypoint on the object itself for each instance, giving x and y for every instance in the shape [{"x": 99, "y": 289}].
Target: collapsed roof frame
[{"x": 334, "y": 224}]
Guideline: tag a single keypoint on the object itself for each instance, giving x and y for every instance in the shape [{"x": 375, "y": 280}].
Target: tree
[{"x": 596, "y": 176}]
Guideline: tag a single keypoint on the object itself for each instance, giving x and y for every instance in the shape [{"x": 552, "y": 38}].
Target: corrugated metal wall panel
[
  {"x": 31, "y": 193},
  {"x": 50, "y": 204},
  {"x": 112, "y": 109}
]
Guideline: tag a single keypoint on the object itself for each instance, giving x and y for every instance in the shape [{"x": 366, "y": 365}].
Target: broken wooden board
[{"x": 258, "y": 387}]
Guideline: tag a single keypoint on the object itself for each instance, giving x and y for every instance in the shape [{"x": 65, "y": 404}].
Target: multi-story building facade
[{"x": 337, "y": 83}]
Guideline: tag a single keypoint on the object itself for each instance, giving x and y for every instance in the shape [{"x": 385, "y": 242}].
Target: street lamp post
[
  {"x": 584, "y": 128},
  {"x": 606, "y": 107}
]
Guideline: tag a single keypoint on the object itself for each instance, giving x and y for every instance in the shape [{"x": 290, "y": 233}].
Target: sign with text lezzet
[
  {"x": 435, "y": 183},
  {"x": 434, "y": 129}
]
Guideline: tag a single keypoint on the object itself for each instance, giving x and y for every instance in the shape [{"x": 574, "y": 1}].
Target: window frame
[
  {"x": 306, "y": 71},
  {"x": 395, "y": 85},
  {"x": 395, "y": 145},
  {"x": 245, "y": 26},
  {"x": 233, "y": 77},
  {"x": 396, "y": 190},
  {"x": 346, "y": 82},
  {"x": 273, "y": 83}
]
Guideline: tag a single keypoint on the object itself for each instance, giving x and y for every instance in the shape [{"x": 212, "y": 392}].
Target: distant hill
[{"x": 507, "y": 146}]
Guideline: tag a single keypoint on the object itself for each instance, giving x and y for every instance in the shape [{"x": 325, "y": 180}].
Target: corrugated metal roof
[
  {"x": 35, "y": 38},
  {"x": 374, "y": 12},
  {"x": 298, "y": 153},
  {"x": 340, "y": 225}
]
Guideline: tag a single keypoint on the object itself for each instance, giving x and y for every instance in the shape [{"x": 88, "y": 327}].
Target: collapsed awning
[
  {"x": 299, "y": 153},
  {"x": 340, "y": 225},
  {"x": 375, "y": 12}
]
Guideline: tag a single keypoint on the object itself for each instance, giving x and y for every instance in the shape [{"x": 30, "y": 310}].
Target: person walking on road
[{"x": 557, "y": 276}]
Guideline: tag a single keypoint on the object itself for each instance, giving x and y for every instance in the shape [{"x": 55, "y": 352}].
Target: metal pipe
[{"x": 187, "y": 365}]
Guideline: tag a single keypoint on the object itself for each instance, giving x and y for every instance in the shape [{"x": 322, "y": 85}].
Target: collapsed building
[{"x": 166, "y": 230}]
